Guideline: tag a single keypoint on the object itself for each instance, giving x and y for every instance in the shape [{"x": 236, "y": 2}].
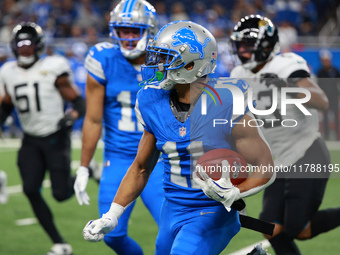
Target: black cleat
[{"x": 258, "y": 250}]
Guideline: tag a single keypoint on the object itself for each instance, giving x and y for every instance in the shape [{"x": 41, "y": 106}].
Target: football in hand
[{"x": 211, "y": 162}]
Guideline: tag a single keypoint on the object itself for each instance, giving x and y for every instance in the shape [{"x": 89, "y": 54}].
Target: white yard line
[
  {"x": 333, "y": 145},
  {"x": 18, "y": 188},
  {"x": 15, "y": 189},
  {"x": 25, "y": 222},
  {"x": 4, "y": 150},
  {"x": 16, "y": 142},
  {"x": 265, "y": 244}
]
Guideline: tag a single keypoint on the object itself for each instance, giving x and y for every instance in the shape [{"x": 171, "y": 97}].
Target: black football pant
[
  {"x": 291, "y": 201},
  {"x": 35, "y": 157}
]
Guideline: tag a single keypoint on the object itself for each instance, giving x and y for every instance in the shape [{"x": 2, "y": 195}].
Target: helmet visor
[
  {"x": 125, "y": 32},
  {"x": 157, "y": 57},
  {"x": 24, "y": 43},
  {"x": 244, "y": 40},
  {"x": 159, "y": 60}
]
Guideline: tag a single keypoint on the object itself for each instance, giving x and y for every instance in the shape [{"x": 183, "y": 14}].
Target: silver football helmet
[
  {"x": 137, "y": 14},
  {"x": 181, "y": 52}
]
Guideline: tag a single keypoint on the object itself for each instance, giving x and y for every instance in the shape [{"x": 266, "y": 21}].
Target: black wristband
[{"x": 79, "y": 105}]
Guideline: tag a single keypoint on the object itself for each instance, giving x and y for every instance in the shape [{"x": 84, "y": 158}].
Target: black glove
[
  {"x": 272, "y": 79},
  {"x": 66, "y": 123}
]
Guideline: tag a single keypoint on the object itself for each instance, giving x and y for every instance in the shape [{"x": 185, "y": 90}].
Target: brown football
[{"x": 211, "y": 162}]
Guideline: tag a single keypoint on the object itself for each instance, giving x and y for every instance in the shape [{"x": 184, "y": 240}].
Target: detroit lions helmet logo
[{"x": 187, "y": 36}]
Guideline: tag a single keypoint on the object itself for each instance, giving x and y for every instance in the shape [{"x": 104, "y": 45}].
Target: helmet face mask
[
  {"x": 256, "y": 35},
  {"x": 140, "y": 17},
  {"x": 177, "y": 46},
  {"x": 157, "y": 57},
  {"x": 27, "y": 43}
]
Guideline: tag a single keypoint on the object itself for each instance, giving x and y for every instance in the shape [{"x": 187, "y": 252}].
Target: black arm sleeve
[
  {"x": 79, "y": 105},
  {"x": 299, "y": 74},
  {"x": 5, "y": 111},
  {"x": 294, "y": 77}
]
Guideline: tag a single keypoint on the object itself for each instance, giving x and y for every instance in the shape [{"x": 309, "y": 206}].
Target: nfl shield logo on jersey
[{"x": 182, "y": 131}]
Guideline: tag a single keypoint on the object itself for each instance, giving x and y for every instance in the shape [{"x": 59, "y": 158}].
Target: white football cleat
[
  {"x": 60, "y": 249},
  {"x": 95, "y": 170},
  {"x": 3, "y": 187}
]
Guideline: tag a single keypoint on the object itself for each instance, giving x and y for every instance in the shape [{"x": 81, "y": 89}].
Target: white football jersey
[
  {"x": 33, "y": 93},
  {"x": 288, "y": 144}
]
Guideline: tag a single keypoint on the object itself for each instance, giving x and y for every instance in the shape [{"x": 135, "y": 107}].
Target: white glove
[
  {"x": 222, "y": 190},
  {"x": 80, "y": 185},
  {"x": 95, "y": 230}
]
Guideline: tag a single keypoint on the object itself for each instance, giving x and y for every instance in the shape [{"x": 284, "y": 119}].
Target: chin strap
[{"x": 159, "y": 76}]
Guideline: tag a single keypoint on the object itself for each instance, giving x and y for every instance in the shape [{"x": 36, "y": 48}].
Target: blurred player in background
[
  {"x": 169, "y": 109},
  {"x": 3, "y": 187},
  {"x": 291, "y": 203},
  {"x": 76, "y": 56},
  {"x": 3, "y": 175},
  {"x": 36, "y": 87},
  {"x": 328, "y": 78},
  {"x": 114, "y": 74}
]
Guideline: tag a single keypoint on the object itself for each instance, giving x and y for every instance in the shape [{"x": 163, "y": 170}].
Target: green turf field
[{"x": 71, "y": 218}]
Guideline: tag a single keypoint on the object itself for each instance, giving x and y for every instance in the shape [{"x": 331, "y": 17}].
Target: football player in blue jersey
[
  {"x": 179, "y": 120},
  {"x": 114, "y": 74}
]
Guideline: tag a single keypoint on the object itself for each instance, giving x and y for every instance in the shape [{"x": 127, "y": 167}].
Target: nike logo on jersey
[{"x": 203, "y": 213}]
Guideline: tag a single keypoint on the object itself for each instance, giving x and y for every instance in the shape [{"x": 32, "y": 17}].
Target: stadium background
[{"x": 72, "y": 27}]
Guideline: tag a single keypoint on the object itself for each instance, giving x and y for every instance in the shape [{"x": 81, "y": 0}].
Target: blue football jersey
[
  {"x": 110, "y": 68},
  {"x": 182, "y": 144}
]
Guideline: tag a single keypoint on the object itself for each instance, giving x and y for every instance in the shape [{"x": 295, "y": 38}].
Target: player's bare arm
[
  {"x": 130, "y": 188},
  {"x": 138, "y": 174},
  {"x": 66, "y": 88},
  {"x": 256, "y": 152},
  {"x": 91, "y": 133},
  {"x": 92, "y": 128},
  {"x": 6, "y": 99},
  {"x": 69, "y": 92},
  {"x": 318, "y": 98},
  {"x": 6, "y": 107}
]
